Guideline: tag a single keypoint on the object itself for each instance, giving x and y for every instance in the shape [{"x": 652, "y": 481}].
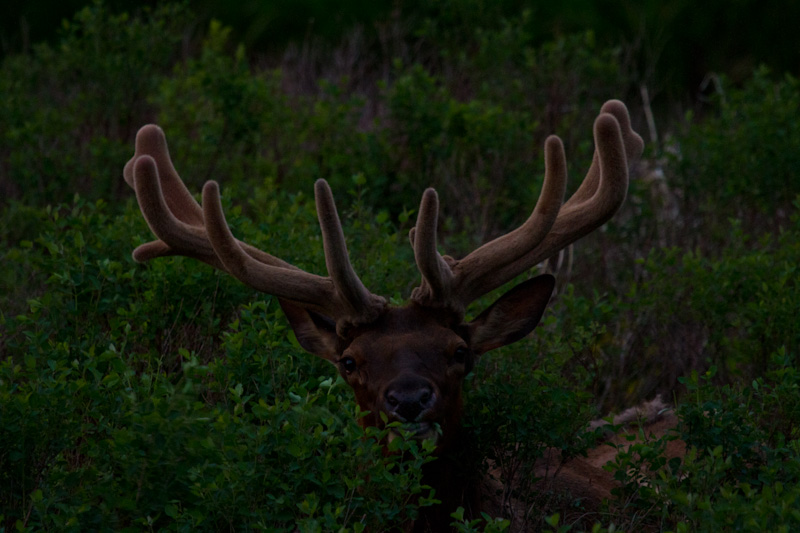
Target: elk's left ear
[
  {"x": 512, "y": 316},
  {"x": 316, "y": 333}
]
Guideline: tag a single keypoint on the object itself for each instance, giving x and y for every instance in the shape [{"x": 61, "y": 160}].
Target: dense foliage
[
  {"x": 168, "y": 396},
  {"x": 672, "y": 43}
]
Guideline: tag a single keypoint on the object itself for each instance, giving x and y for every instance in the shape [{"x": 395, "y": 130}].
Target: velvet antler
[
  {"x": 453, "y": 284},
  {"x": 183, "y": 227}
]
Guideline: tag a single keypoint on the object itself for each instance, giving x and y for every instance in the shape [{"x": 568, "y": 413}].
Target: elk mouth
[{"x": 416, "y": 430}]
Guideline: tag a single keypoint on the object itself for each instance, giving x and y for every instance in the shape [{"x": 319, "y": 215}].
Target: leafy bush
[
  {"x": 168, "y": 396},
  {"x": 742, "y": 464},
  {"x": 741, "y": 162},
  {"x": 228, "y": 120},
  {"x": 68, "y": 112},
  {"x": 523, "y": 401},
  {"x": 461, "y": 149},
  {"x": 225, "y": 118},
  {"x": 118, "y": 413},
  {"x": 689, "y": 310}
]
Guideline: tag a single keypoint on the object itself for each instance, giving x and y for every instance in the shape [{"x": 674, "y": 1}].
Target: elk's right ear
[
  {"x": 316, "y": 333},
  {"x": 512, "y": 316}
]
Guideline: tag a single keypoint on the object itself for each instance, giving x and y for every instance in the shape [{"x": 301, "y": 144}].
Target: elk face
[
  {"x": 411, "y": 362},
  {"x": 409, "y": 366}
]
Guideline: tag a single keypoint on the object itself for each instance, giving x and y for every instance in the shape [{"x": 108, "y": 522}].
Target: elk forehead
[
  {"x": 406, "y": 339},
  {"x": 412, "y": 323}
]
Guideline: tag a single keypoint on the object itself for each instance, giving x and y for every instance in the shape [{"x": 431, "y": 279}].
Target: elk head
[{"x": 407, "y": 362}]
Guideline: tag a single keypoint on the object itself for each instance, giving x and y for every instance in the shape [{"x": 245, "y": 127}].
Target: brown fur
[{"x": 583, "y": 481}]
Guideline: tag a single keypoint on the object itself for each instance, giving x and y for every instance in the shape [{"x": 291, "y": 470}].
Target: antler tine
[
  {"x": 440, "y": 274},
  {"x": 633, "y": 150},
  {"x": 150, "y": 140},
  {"x": 160, "y": 212},
  {"x": 352, "y": 291},
  {"x": 176, "y": 237},
  {"x": 550, "y": 227},
  {"x": 169, "y": 208},
  {"x": 341, "y": 296},
  {"x": 593, "y": 204},
  {"x": 436, "y": 273}
]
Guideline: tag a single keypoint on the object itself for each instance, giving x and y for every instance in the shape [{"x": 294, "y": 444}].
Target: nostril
[{"x": 425, "y": 397}]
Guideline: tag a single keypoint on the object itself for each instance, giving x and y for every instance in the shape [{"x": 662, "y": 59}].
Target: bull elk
[{"x": 407, "y": 363}]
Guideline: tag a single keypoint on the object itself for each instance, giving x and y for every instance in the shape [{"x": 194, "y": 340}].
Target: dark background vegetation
[
  {"x": 167, "y": 396},
  {"x": 678, "y": 38}
]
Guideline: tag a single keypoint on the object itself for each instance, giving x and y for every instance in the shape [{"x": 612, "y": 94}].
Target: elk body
[{"x": 407, "y": 363}]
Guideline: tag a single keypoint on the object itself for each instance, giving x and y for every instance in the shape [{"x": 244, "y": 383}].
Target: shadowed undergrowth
[{"x": 168, "y": 396}]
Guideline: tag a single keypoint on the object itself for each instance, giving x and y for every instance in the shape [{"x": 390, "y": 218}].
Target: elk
[{"x": 407, "y": 362}]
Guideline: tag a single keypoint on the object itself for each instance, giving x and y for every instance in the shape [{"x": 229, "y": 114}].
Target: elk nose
[{"x": 407, "y": 399}]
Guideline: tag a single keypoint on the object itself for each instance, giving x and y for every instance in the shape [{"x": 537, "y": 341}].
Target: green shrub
[
  {"x": 742, "y": 465},
  {"x": 147, "y": 397},
  {"x": 69, "y": 112},
  {"x": 520, "y": 403},
  {"x": 65, "y": 129},
  {"x": 474, "y": 153},
  {"x": 169, "y": 396},
  {"x": 742, "y": 161},
  {"x": 688, "y": 310}
]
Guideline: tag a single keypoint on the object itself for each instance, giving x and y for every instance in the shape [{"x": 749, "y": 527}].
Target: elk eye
[
  {"x": 460, "y": 355},
  {"x": 348, "y": 364}
]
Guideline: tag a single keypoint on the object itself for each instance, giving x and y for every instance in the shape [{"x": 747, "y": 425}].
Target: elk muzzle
[{"x": 412, "y": 400}]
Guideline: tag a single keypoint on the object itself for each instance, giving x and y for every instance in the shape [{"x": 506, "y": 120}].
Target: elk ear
[
  {"x": 512, "y": 316},
  {"x": 316, "y": 333}
]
